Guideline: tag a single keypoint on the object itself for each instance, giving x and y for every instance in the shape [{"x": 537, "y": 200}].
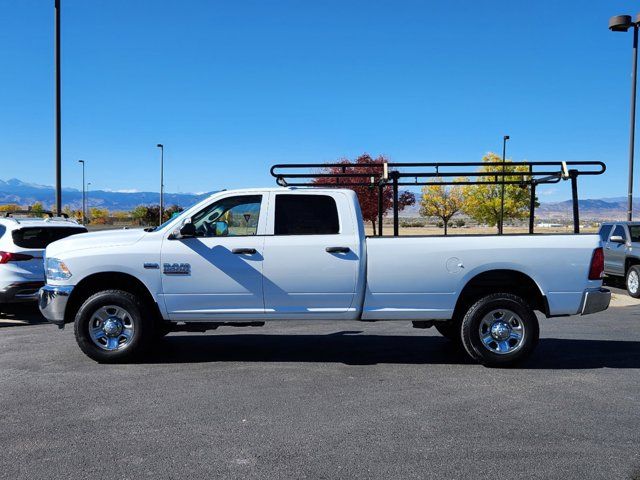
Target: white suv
[{"x": 22, "y": 244}]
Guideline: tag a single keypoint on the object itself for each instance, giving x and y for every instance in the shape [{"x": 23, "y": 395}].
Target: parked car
[
  {"x": 22, "y": 244},
  {"x": 247, "y": 256},
  {"x": 621, "y": 242}
]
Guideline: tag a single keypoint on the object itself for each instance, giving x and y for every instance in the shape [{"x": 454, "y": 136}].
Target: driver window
[{"x": 229, "y": 217}]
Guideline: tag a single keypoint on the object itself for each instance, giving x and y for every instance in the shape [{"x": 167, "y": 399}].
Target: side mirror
[
  {"x": 222, "y": 229},
  {"x": 187, "y": 230},
  {"x": 616, "y": 239}
]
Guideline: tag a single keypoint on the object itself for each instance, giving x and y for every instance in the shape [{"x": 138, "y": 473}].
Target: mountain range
[{"x": 23, "y": 193}]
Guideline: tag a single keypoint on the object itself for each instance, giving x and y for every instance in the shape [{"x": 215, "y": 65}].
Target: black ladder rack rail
[{"x": 397, "y": 174}]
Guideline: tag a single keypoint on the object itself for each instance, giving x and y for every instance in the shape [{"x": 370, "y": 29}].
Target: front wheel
[
  {"x": 500, "y": 330},
  {"x": 109, "y": 327},
  {"x": 633, "y": 281}
]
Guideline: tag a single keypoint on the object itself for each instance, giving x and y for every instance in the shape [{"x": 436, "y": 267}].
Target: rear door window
[
  {"x": 306, "y": 215},
  {"x": 40, "y": 237},
  {"x": 604, "y": 232},
  {"x": 634, "y": 231}
]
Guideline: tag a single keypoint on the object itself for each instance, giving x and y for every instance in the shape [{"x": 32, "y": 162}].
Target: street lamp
[
  {"x": 161, "y": 147},
  {"x": 622, "y": 23},
  {"x": 58, "y": 119},
  {"x": 83, "y": 195},
  {"x": 88, "y": 185},
  {"x": 504, "y": 152}
]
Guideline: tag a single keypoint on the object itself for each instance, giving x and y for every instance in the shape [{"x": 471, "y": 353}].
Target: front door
[
  {"x": 217, "y": 274},
  {"x": 616, "y": 252}
]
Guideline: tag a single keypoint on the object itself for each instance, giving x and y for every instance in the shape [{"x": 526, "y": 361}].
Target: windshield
[{"x": 160, "y": 227}]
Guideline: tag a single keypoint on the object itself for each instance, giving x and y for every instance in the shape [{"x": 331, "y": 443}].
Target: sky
[{"x": 231, "y": 88}]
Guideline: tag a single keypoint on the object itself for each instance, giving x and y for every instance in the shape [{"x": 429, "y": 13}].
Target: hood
[{"x": 108, "y": 238}]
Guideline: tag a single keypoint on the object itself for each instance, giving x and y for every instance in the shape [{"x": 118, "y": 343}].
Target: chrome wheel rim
[
  {"x": 111, "y": 328},
  {"x": 502, "y": 331},
  {"x": 633, "y": 281}
]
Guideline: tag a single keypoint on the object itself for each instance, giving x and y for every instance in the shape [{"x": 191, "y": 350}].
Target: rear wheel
[
  {"x": 633, "y": 281},
  {"x": 500, "y": 330},
  {"x": 109, "y": 327}
]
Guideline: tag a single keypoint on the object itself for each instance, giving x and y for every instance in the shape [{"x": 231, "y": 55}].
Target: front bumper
[
  {"x": 53, "y": 302},
  {"x": 20, "y": 292},
  {"x": 595, "y": 301}
]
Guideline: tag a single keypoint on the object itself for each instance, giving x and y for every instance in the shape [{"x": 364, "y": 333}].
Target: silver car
[
  {"x": 22, "y": 244},
  {"x": 621, "y": 242}
]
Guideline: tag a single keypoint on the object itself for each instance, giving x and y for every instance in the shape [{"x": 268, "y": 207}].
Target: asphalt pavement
[{"x": 323, "y": 400}]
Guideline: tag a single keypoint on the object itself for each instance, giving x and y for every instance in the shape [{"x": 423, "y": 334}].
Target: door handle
[
  {"x": 337, "y": 249},
  {"x": 244, "y": 251}
]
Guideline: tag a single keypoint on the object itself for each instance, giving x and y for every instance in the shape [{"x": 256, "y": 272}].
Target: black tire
[
  {"x": 498, "y": 308},
  {"x": 632, "y": 281},
  {"x": 142, "y": 326},
  {"x": 451, "y": 330}
]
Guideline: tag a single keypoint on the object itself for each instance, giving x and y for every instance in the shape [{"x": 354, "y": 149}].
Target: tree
[
  {"x": 482, "y": 202},
  {"x": 139, "y": 213},
  {"x": 37, "y": 208},
  {"x": 76, "y": 214},
  {"x": 367, "y": 193},
  {"x": 442, "y": 201},
  {"x": 10, "y": 207},
  {"x": 98, "y": 215}
]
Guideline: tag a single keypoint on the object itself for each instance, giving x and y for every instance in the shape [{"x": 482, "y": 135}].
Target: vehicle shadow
[
  {"x": 20, "y": 314},
  {"x": 351, "y": 348}
]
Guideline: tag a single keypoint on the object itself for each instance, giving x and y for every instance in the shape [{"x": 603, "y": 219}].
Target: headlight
[{"x": 56, "y": 269}]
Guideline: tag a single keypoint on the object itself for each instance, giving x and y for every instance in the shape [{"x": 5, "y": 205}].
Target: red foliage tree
[{"x": 367, "y": 193}]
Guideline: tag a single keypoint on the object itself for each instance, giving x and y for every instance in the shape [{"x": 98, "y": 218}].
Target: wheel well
[
  {"x": 109, "y": 281},
  {"x": 630, "y": 262},
  {"x": 501, "y": 281}
]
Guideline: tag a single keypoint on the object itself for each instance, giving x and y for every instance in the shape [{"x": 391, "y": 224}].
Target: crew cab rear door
[{"x": 311, "y": 256}]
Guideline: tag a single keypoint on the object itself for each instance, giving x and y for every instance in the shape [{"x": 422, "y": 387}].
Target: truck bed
[{"x": 435, "y": 269}]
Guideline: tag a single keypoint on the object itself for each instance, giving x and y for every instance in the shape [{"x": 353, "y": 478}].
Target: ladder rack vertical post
[
  {"x": 395, "y": 205},
  {"x": 573, "y": 174},
  {"x": 532, "y": 207},
  {"x": 380, "y": 208}
]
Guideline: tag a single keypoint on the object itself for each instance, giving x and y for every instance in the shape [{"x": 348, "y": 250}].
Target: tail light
[
  {"x": 596, "y": 270},
  {"x": 6, "y": 257}
]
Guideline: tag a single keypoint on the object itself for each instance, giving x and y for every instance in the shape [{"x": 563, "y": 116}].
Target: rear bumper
[
  {"x": 53, "y": 302},
  {"x": 20, "y": 292},
  {"x": 595, "y": 301}
]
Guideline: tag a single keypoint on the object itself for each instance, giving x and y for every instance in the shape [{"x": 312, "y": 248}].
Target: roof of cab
[{"x": 285, "y": 189}]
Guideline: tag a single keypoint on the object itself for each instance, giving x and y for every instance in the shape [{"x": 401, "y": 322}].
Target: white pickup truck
[{"x": 246, "y": 256}]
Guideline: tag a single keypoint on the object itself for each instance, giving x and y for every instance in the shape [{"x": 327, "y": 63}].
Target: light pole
[
  {"x": 56, "y": 54},
  {"x": 504, "y": 159},
  {"x": 88, "y": 185},
  {"x": 622, "y": 23},
  {"x": 83, "y": 195},
  {"x": 161, "y": 147}
]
